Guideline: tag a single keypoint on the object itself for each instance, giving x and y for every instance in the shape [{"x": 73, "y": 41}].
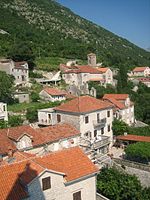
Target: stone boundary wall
[{"x": 132, "y": 164}]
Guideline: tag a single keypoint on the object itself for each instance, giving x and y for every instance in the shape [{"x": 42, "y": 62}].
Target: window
[
  {"x": 58, "y": 118},
  {"x": 108, "y": 113},
  {"x": 102, "y": 131},
  {"x": 108, "y": 128},
  {"x": 98, "y": 117},
  {"x": 87, "y": 119},
  {"x": 95, "y": 133},
  {"x": 77, "y": 196},
  {"x": 46, "y": 183}
]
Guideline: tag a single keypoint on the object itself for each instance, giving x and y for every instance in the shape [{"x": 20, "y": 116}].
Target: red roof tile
[
  {"x": 83, "y": 69},
  {"x": 83, "y": 104},
  {"x": 102, "y": 69},
  {"x": 116, "y": 99},
  {"x": 10, "y": 177},
  {"x": 136, "y": 138},
  {"x": 54, "y": 91},
  {"x": 72, "y": 162},
  {"x": 39, "y": 136},
  {"x": 139, "y": 69},
  {"x": 116, "y": 96},
  {"x": 57, "y": 132},
  {"x": 20, "y": 64},
  {"x": 5, "y": 143}
]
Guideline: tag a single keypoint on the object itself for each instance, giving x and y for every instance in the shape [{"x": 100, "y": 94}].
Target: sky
[{"x": 129, "y": 19}]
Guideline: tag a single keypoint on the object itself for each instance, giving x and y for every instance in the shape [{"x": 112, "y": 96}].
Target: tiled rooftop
[
  {"x": 139, "y": 69},
  {"x": 83, "y": 104},
  {"x": 73, "y": 163},
  {"x": 136, "y": 138}
]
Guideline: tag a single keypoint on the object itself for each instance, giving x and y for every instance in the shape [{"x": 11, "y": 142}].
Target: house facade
[
  {"x": 81, "y": 75},
  {"x": 124, "y": 107},
  {"x": 93, "y": 118},
  {"x": 66, "y": 174},
  {"x": 52, "y": 94},
  {"x": 3, "y": 112},
  {"x": 22, "y": 97},
  {"x": 141, "y": 71},
  {"x": 18, "y": 69}
]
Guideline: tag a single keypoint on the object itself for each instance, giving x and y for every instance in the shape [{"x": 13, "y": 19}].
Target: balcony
[
  {"x": 101, "y": 142},
  {"x": 99, "y": 123},
  {"x": 94, "y": 144}
]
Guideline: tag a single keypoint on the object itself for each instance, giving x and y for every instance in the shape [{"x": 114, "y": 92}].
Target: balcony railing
[
  {"x": 95, "y": 144},
  {"x": 100, "y": 143},
  {"x": 99, "y": 123}
]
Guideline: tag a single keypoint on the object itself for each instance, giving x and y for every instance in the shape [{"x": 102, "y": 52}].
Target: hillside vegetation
[{"x": 50, "y": 30}]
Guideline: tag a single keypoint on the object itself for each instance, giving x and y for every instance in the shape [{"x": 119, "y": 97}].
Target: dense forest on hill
[{"x": 48, "y": 29}]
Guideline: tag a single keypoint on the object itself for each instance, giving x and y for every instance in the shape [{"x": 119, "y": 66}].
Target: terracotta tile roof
[
  {"x": 83, "y": 69},
  {"x": 16, "y": 133},
  {"x": 139, "y": 69},
  {"x": 54, "y": 91},
  {"x": 116, "y": 96},
  {"x": 117, "y": 99},
  {"x": 11, "y": 177},
  {"x": 83, "y": 104},
  {"x": 20, "y": 64},
  {"x": 5, "y": 143},
  {"x": 72, "y": 162},
  {"x": 39, "y": 136},
  {"x": 102, "y": 69},
  {"x": 57, "y": 132},
  {"x": 136, "y": 138},
  {"x": 16, "y": 157}
]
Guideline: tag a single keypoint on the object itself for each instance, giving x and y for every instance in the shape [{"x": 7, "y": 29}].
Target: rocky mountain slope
[{"x": 53, "y": 30}]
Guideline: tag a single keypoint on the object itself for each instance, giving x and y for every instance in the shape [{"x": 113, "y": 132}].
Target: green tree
[
  {"x": 116, "y": 185},
  {"x": 34, "y": 97},
  {"x": 139, "y": 152},
  {"x": 32, "y": 115},
  {"x": 22, "y": 51},
  {"x": 15, "y": 121},
  {"x": 6, "y": 87},
  {"x": 119, "y": 127}
]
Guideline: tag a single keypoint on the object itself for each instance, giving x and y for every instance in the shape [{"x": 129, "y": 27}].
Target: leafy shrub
[{"x": 139, "y": 152}]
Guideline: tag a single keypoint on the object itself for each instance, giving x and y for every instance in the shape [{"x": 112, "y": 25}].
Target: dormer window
[{"x": 46, "y": 183}]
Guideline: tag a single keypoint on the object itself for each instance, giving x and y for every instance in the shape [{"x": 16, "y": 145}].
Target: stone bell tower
[{"x": 91, "y": 59}]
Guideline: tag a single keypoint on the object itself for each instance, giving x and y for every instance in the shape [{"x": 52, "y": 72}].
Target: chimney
[{"x": 10, "y": 152}]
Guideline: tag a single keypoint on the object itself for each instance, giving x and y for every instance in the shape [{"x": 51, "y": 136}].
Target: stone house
[
  {"x": 124, "y": 107},
  {"x": 40, "y": 140},
  {"x": 92, "y": 117},
  {"x": 22, "y": 97},
  {"x": 52, "y": 94},
  {"x": 66, "y": 174},
  {"x": 107, "y": 75},
  {"x": 19, "y": 70},
  {"x": 3, "y": 112},
  {"x": 141, "y": 71},
  {"x": 81, "y": 75}
]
